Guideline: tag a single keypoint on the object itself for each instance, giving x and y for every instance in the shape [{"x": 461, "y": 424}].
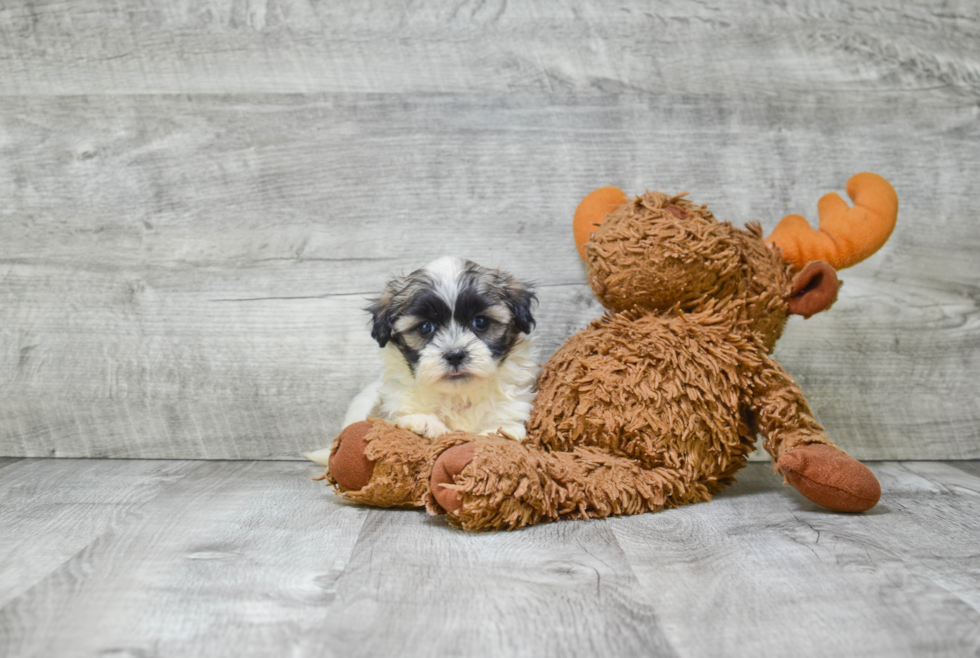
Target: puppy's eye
[
  {"x": 480, "y": 323},
  {"x": 426, "y": 328}
]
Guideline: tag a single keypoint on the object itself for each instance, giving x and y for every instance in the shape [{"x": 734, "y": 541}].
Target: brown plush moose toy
[{"x": 657, "y": 403}]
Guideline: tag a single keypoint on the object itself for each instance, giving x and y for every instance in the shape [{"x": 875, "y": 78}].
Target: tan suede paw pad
[
  {"x": 348, "y": 466},
  {"x": 830, "y": 477},
  {"x": 450, "y": 464}
]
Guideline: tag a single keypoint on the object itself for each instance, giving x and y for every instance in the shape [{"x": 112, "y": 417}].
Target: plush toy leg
[
  {"x": 375, "y": 463},
  {"x": 801, "y": 451},
  {"x": 830, "y": 477},
  {"x": 494, "y": 483},
  {"x": 348, "y": 467},
  {"x": 446, "y": 467}
]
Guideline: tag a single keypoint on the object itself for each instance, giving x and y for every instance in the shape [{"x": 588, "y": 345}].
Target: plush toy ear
[
  {"x": 813, "y": 289},
  {"x": 592, "y": 211}
]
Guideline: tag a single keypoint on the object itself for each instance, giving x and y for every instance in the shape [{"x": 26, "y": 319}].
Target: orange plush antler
[
  {"x": 593, "y": 210},
  {"x": 846, "y": 235}
]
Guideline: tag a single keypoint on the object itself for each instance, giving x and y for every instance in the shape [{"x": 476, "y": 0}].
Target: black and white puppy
[{"x": 456, "y": 352}]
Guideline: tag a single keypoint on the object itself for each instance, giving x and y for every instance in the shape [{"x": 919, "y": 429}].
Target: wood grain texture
[
  {"x": 773, "y": 574},
  {"x": 254, "y": 559},
  {"x": 548, "y": 592},
  {"x": 198, "y": 197},
  {"x": 378, "y": 46},
  {"x": 238, "y": 558},
  {"x": 971, "y": 467},
  {"x": 51, "y": 510}
]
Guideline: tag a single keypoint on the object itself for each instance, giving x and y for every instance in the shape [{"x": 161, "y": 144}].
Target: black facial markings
[
  {"x": 469, "y": 304},
  {"x": 410, "y": 294},
  {"x": 480, "y": 289},
  {"x": 411, "y": 355},
  {"x": 500, "y": 346},
  {"x": 429, "y": 307},
  {"x": 472, "y": 301},
  {"x": 500, "y": 287},
  {"x": 520, "y": 299}
]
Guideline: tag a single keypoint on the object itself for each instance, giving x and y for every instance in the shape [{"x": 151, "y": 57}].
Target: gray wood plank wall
[{"x": 196, "y": 197}]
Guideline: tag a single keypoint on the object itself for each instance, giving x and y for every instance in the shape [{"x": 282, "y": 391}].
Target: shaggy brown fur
[
  {"x": 654, "y": 405},
  {"x": 402, "y": 464}
]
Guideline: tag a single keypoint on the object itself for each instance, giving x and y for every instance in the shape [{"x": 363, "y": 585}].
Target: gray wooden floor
[{"x": 248, "y": 558}]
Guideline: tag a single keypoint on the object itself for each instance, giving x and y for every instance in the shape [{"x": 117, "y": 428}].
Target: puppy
[{"x": 456, "y": 353}]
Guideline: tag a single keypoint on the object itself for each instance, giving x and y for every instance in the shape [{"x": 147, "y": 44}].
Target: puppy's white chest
[
  {"x": 465, "y": 414},
  {"x": 456, "y": 412},
  {"x": 499, "y": 401}
]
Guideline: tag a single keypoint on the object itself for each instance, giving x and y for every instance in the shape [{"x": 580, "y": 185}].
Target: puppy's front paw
[
  {"x": 425, "y": 425},
  {"x": 516, "y": 432}
]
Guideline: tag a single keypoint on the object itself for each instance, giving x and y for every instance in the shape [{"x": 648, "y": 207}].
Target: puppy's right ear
[{"x": 382, "y": 317}]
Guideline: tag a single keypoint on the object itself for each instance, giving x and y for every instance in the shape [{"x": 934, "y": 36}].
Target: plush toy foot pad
[
  {"x": 450, "y": 464},
  {"x": 830, "y": 477},
  {"x": 348, "y": 466}
]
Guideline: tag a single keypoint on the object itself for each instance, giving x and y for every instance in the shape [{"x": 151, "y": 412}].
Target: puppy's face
[{"x": 453, "y": 320}]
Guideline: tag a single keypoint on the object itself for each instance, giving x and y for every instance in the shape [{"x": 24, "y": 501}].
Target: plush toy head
[{"x": 658, "y": 252}]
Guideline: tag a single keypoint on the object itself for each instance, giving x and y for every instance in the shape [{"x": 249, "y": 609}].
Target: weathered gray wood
[
  {"x": 184, "y": 248},
  {"x": 51, "y": 510},
  {"x": 971, "y": 467},
  {"x": 239, "y": 558},
  {"x": 957, "y": 567},
  {"x": 268, "y": 379},
  {"x": 206, "y": 335},
  {"x": 770, "y": 573},
  {"x": 549, "y": 591},
  {"x": 253, "y": 559},
  {"x": 297, "y": 46}
]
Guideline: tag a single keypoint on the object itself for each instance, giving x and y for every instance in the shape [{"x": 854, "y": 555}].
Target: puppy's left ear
[
  {"x": 381, "y": 323},
  {"x": 382, "y": 316},
  {"x": 520, "y": 300}
]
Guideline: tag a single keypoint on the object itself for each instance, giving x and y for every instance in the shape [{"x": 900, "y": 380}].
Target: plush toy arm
[
  {"x": 801, "y": 451},
  {"x": 781, "y": 412},
  {"x": 493, "y": 483}
]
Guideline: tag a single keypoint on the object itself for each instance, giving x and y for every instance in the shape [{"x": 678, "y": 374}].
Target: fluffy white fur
[
  {"x": 492, "y": 395},
  {"x": 500, "y": 400}
]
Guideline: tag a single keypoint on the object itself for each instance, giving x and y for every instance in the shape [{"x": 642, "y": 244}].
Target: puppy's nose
[{"x": 455, "y": 357}]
